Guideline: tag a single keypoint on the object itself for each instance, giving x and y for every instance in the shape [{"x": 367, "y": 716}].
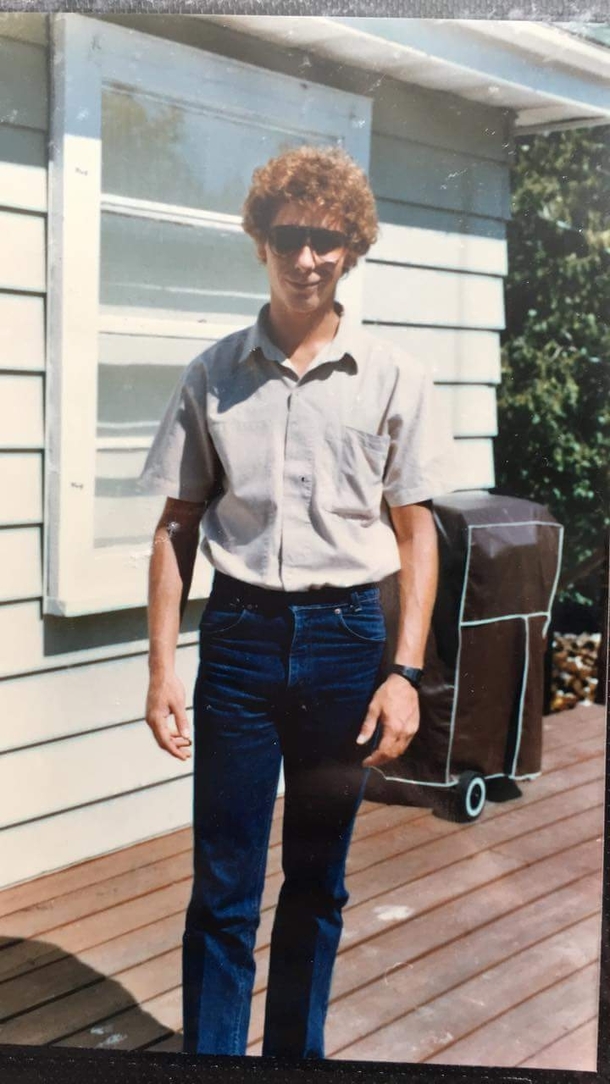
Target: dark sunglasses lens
[
  {"x": 287, "y": 239},
  {"x": 325, "y": 241}
]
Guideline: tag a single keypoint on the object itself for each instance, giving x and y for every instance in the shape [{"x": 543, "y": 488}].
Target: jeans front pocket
[
  {"x": 365, "y": 623},
  {"x": 218, "y": 620}
]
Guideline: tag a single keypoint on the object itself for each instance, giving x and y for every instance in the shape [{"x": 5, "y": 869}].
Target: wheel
[{"x": 471, "y": 793}]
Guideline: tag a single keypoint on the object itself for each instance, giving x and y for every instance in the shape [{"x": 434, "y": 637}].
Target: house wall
[{"x": 79, "y": 774}]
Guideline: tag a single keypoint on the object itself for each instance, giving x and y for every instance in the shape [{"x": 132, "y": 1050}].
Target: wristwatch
[{"x": 411, "y": 673}]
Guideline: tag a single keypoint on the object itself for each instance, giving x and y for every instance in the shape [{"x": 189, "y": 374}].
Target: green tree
[{"x": 554, "y": 400}]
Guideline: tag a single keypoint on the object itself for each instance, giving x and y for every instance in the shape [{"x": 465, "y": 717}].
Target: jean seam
[{"x": 259, "y": 878}]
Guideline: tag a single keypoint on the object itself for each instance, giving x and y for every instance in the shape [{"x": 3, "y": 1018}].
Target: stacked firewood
[{"x": 575, "y": 660}]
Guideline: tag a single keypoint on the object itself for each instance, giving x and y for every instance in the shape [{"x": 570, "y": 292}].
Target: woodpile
[{"x": 575, "y": 667}]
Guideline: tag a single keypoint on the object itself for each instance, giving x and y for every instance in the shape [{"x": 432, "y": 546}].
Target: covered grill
[{"x": 482, "y": 694}]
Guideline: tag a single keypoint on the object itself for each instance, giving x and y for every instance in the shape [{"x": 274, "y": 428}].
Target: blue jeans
[{"x": 276, "y": 679}]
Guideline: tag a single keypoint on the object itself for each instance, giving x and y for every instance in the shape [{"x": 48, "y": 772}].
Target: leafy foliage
[{"x": 554, "y": 400}]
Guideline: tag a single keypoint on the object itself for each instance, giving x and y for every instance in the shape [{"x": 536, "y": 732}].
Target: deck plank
[
  {"x": 576, "y": 1048},
  {"x": 425, "y": 1033},
  {"x": 42, "y": 889},
  {"x": 545, "y": 1015},
  {"x": 88, "y": 932}
]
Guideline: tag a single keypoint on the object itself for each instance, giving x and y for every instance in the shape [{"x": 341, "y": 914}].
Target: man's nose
[{"x": 306, "y": 258}]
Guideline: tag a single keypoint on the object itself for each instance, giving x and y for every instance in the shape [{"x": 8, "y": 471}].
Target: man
[{"x": 309, "y": 449}]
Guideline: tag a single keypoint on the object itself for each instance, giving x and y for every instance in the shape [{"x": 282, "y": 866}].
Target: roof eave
[{"x": 545, "y": 58}]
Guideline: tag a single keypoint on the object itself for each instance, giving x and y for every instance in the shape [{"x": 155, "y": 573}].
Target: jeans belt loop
[{"x": 355, "y": 601}]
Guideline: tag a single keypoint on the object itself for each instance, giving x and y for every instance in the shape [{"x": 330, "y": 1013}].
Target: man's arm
[
  {"x": 395, "y": 704},
  {"x": 171, "y": 571}
]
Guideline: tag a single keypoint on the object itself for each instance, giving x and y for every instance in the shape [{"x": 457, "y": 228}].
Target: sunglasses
[{"x": 286, "y": 240}]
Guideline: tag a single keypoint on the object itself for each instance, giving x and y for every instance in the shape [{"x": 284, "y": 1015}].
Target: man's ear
[{"x": 261, "y": 251}]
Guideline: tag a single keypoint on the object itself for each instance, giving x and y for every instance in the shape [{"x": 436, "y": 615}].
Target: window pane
[
  {"x": 182, "y": 155},
  {"x": 131, "y": 399},
  {"x": 135, "y": 349},
  {"x": 169, "y": 269},
  {"x": 122, "y": 515}
]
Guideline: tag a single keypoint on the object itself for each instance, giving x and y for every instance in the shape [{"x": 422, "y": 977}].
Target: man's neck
[{"x": 302, "y": 336}]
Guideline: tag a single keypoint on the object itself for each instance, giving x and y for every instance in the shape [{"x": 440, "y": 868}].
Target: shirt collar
[{"x": 347, "y": 340}]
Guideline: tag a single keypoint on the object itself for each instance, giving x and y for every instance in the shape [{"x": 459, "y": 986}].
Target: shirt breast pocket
[{"x": 352, "y": 481}]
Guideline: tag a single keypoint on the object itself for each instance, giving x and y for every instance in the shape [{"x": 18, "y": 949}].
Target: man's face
[{"x": 302, "y": 281}]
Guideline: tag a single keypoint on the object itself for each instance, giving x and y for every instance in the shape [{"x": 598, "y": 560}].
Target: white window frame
[{"x": 88, "y": 54}]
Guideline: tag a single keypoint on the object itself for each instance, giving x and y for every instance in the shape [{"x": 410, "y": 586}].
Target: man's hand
[
  {"x": 166, "y": 715},
  {"x": 395, "y": 706}
]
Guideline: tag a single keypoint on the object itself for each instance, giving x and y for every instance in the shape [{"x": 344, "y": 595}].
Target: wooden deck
[{"x": 473, "y": 944}]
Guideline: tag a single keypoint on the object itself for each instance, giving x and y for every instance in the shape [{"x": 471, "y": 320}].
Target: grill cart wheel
[{"x": 471, "y": 792}]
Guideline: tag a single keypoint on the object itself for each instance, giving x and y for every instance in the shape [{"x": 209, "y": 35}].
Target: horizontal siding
[
  {"x": 30, "y": 644},
  {"x": 21, "y": 487},
  {"x": 22, "y": 254},
  {"x": 23, "y": 168},
  {"x": 21, "y": 636},
  {"x": 440, "y": 120},
  {"x": 23, "y": 84},
  {"x": 22, "y": 332},
  {"x": 434, "y": 177},
  {"x": 452, "y": 355},
  {"x": 21, "y": 411},
  {"x": 70, "y": 701},
  {"x": 20, "y": 565},
  {"x": 468, "y": 411},
  {"x": 56, "y": 776},
  {"x": 79, "y": 834},
  {"x": 406, "y": 295},
  {"x": 474, "y": 464},
  {"x": 445, "y": 221},
  {"x": 442, "y": 249}
]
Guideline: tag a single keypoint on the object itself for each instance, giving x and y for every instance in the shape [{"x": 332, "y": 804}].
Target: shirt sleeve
[
  {"x": 420, "y": 459},
  {"x": 182, "y": 461}
]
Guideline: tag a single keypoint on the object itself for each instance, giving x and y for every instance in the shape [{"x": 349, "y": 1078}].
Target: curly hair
[{"x": 323, "y": 176}]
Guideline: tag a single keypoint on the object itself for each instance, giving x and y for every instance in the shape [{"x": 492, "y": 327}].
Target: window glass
[
  {"x": 164, "y": 269},
  {"x": 122, "y": 516},
  {"x": 187, "y": 155}
]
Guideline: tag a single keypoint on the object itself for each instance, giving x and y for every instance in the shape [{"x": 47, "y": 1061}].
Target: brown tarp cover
[{"x": 482, "y": 694}]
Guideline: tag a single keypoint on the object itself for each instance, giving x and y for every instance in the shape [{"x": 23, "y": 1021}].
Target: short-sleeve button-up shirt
[{"x": 297, "y": 472}]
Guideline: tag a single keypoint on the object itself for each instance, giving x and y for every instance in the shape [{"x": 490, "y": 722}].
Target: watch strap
[{"x": 410, "y": 673}]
